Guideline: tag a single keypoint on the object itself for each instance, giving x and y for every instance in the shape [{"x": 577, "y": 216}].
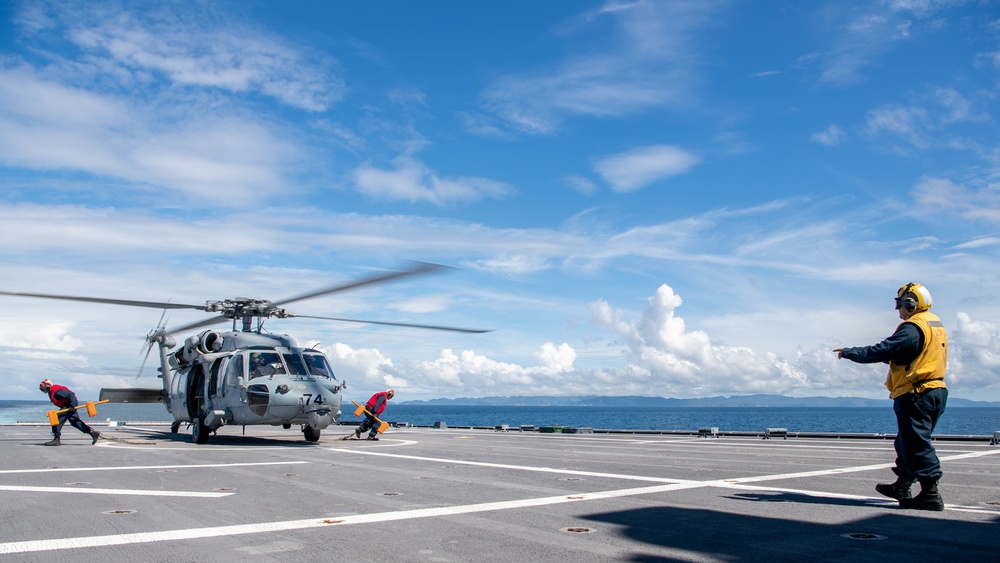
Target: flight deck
[{"x": 470, "y": 495}]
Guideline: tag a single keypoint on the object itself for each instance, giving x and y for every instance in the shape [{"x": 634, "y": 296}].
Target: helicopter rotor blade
[
  {"x": 418, "y": 268},
  {"x": 142, "y": 366},
  {"x": 150, "y": 304},
  {"x": 199, "y": 324},
  {"x": 431, "y": 327}
]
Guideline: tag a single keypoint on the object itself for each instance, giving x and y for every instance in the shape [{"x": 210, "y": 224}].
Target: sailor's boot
[
  {"x": 95, "y": 435},
  {"x": 53, "y": 442},
  {"x": 899, "y": 490},
  {"x": 357, "y": 433},
  {"x": 928, "y": 499}
]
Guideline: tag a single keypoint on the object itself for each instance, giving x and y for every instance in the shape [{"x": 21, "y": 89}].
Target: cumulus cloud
[
  {"x": 977, "y": 365},
  {"x": 636, "y": 169},
  {"x": 411, "y": 180}
]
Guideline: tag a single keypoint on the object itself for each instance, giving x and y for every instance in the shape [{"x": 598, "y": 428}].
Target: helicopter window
[
  {"x": 213, "y": 380},
  {"x": 233, "y": 372},
  {"x": 263, "y": 364},
  {"x": 319, "y": 366},
  {"x": 295, "y": 366}
]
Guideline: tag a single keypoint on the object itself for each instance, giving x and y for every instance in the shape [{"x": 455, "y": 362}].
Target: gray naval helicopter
[{"x": 246, "y": 376}]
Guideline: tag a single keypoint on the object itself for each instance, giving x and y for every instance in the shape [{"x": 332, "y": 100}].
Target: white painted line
[
  {"x": 240, "y": 529},
  {"x": 521, "y": 467},
  {"x": 132, "y": 492},
  {"x": 132, "y": 467}
]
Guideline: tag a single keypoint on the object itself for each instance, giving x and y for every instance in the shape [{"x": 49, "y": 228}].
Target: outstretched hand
[{"x": 840, "y": 352}]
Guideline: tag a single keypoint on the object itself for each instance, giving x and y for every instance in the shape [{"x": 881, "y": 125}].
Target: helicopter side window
[
  {"x": 319, "y": 366},
  {"x": 234, "y": 371},
  {"x": 294, "y": 363},
  {"x": 263, "y": 364}
]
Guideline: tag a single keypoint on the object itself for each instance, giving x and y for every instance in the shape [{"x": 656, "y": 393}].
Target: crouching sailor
[
  {"x": 917, "y": 354},
  {"x": 62, "y": 397},
  {"x": 374, "y": 407}
]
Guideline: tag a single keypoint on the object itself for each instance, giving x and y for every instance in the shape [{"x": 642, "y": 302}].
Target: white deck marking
[
  {"x": 522, "y": 467},
  {"x": 131, "y": 467},
  {"x": 133, "y": 492}
]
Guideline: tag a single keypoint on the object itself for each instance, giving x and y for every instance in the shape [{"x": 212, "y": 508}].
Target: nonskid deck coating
[{"x": 477, "y": 495}]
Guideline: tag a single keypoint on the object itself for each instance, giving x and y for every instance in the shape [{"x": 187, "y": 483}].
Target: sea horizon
[{"x": 964, "y": 421}]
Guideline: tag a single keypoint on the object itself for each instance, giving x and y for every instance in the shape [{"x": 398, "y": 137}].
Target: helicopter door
[
  {"x": 213, "y": 380},
  {"x": 234, "y": 371},
  {"x": 195, "y": 391}
]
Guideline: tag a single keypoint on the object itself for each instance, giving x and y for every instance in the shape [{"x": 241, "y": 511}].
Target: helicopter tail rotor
[{"x": 154, "y": 336}]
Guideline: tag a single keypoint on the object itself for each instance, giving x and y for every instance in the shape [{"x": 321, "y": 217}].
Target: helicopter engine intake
[{"x": 207, "y": 342}]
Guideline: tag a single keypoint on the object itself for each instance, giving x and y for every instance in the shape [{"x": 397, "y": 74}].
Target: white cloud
[
  {"x": 580, "y": 184},
  {"x": 557, "y": 358},
  {"x": 424, "y": 304},
  {"x": 832, "y": 136},
  {"x": 943, "y": 195},
  {"x": 511, "y": 265},
  {"x": 907, "y": 122},
  {"x": 48, "y": 336},
  {"x": 636, "y": 169},
  {"x": 414, "y": 182},
  {"x": 210, "y": 158},
  {"x": 661, "y": 352}
]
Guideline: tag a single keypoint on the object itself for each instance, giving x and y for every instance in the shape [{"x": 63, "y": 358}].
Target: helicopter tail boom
[{"x": 132, "y": 395}]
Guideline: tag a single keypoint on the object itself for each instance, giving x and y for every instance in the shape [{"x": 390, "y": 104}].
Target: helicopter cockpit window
[
  {"x": 319, "y": 366},
  {"x": 263, "y": 364},
  {"x": 295, "y": 366}
]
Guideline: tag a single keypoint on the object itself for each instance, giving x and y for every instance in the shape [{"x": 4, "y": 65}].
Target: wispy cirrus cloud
[
  {"x": 650, "y": 60},
  {"x": 831, "y": 136},
  {"x": 187, "y": 48},
  {"x": 412, "y": 181}
]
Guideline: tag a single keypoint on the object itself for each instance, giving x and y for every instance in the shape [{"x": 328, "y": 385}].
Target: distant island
[{"x": 641, "y": 401}]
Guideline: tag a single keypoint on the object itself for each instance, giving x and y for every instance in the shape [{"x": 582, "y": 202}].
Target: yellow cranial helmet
[{"x": 914, "y": 297}]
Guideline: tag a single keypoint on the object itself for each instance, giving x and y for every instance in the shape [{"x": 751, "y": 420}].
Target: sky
[{"x": 674, "y": 198}]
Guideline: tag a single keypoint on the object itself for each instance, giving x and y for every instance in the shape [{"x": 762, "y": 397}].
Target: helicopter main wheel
[
  {"x": 200, "y": 431},
  {"x": 175, "y": 426},
  {"x": 286, "y": 426},
  {"x": 311, "y": 434}
]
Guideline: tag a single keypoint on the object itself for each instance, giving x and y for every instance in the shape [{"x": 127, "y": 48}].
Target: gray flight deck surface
[{"x": 450, "y": 495}]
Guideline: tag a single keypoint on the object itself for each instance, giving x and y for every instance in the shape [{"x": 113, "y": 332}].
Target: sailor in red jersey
[
  {"x": 63, "y": 398},
  {"x": 374, "y": 406}
]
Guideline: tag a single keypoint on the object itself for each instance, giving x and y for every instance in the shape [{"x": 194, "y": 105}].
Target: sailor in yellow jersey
[{"x": 917, "y": 354}]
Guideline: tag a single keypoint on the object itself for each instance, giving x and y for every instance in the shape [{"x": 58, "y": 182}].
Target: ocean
[{"x": 974, "y": 421}]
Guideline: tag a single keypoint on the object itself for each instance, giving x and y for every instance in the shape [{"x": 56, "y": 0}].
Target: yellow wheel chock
[{"x": 91, "y": 411}]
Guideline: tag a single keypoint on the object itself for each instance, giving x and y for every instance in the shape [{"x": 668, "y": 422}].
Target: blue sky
[{"x": 679, "y": 199}]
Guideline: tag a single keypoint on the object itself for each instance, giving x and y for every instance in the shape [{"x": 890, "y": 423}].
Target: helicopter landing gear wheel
[
  {"x": 199, "y": 431},
  {"x": 175, "y": 426},
  {"x": 311, "y": 434},
  {"x": 286, "y": 426}
]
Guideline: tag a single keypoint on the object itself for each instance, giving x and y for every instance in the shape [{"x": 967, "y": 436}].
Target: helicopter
[{"x": 244, "y": 376}]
